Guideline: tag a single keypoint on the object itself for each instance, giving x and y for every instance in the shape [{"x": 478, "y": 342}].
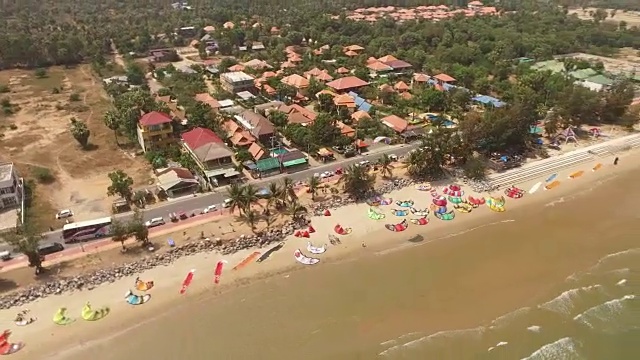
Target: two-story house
[
  {"x": 10, "y": 187},
  {"x": 258, "y": 125},
  {"x": 155, "y": 131},
  {"x": 237, "y": 81},
  {"x": 211, "y": 154}
]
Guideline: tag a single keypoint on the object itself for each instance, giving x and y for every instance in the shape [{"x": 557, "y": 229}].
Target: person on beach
[{"x": 615, "y": 161}]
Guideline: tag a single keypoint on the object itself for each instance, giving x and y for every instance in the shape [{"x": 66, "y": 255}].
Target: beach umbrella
[
  {"x": 297, "y": 233},
  {"x": 311, "y": 229},
  {"x": 305, "y": 234},
  {"x": 327, "y": 213}
]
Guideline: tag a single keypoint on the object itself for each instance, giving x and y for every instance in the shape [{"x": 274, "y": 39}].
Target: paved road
[{"x": 191, "y": 204}]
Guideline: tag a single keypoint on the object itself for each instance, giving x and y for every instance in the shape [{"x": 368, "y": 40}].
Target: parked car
[
  {"x": 326, "y": 174},
  {"x": 64, "y": 214},
  {"x": 208, "y": 209},
  {"x": 227, "y": 203},
  {"x": 49, "y": 249},
  {"x": 5, "y": 255},
  {"x": 154, "y": 222},
  {"x": 393, "y": 157},
  {"x": 338, "y": 149}
]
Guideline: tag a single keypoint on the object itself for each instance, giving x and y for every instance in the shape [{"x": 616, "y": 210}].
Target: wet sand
[{"x": 458, "y": 277}]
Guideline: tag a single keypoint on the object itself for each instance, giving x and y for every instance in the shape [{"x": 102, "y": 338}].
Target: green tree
[
  {"x": 135, "y": 74},
  {"x": 120, "y": 185},
  {"x": 313, "y": 183},
  {"x": 80, "y": 132},
  {"x": 288, "y": 191},
  {"x": 27, "y": 242},
  {"x": 386, "y": 167},
  {"x": 278, "y": 118},
  {"x": 357, "y": 181},
  {"x": 138, "y": 228},
  {"x": 119, "y": 232},
  {"x": 238, "y": 200},
  {"x": 41, "y": 73},
  {"x": 113, "y": 120}
]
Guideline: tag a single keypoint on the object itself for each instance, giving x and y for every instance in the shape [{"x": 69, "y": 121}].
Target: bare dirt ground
[
  {"x": 37, "y": 136},
  {"x": 632, "y": 18},
  {"x": 625, "y": 63}
]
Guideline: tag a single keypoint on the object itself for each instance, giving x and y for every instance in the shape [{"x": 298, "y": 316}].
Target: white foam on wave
[
  {"x": 622, "y": 282},
  {"x": 506, "y": 319},
  {"x": 577, "y": 276},
  {"x": 604, "y": 259},
  {"x": 501, "y": 343},
  {"x": 425, "y": 340},
  {"x": 565, "y": 349},
  {"x": 555, "y": 202},
  {"x": 565, "y": 302},
  {"x": 610, "y": 312},
  {"x": 534, "y": 328}
]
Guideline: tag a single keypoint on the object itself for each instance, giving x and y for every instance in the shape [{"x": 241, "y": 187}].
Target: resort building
[
  {"x": 237, "y": 81},
  {"x": 155, "y": 131},
  {"x": 11, "y": 189},
  {"x": 211, "y": 154}
]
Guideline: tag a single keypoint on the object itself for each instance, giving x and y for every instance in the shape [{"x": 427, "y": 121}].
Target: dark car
[{"x": 50, "y": 249}]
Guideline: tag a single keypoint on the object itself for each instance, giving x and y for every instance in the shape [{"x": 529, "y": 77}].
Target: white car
[
  {"x": 154, "y": 222},
  {"x": 326, "y": 174},
  {"x": 64, "y": 214},
  {"x": 393, "y": 157},
  {"x": 227, "y": 203},
  {"x": 365, "y": 163},
  {"x": 210, "y": 208}
]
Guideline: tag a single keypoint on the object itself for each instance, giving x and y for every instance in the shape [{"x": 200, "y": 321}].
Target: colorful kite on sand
[
  {"x": 133, "y": 299},
  {"x": 187, "y": 281},
  {"x": 247, "y": 260},
  {"x": 218, "y": 271},
  {"x": 6, "y": 347}
]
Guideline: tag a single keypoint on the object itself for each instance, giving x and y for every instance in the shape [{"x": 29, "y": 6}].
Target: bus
[{"x": 85, "y": 230}]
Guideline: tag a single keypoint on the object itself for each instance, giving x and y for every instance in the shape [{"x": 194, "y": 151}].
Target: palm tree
[
  {"x": 288, "y": 192},
  {"x": 251, "y": 218},
  {"x": 314, "y": 184},
  {"x": 357, "y": 181},
  {"x": 250, "y": 196},
  {"x": 26, "y": 242},
  {"x": 276, "y": 194},
  {"x": 295, "y": 209},
  {"x": 386, "y": 169},
  {"x": 237, "y": 197}
]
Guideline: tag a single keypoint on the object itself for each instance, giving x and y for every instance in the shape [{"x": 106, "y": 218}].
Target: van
[
  {"x": 5, "y": 255},
  {"x": 49, "y": 249}
]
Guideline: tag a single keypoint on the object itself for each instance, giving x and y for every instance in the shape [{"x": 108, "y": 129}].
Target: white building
[{"x": 11, "y": 191}]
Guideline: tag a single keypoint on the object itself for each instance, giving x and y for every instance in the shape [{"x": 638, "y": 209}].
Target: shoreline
[{"x": 168, "y": 278}]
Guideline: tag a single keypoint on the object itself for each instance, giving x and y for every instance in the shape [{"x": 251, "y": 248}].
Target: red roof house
[
  {"x": 396, "y": 123},
  {"x": 347, "y": 83},
  {"x": 154, "y": 118},
  {"x": 444, "y": 78}
]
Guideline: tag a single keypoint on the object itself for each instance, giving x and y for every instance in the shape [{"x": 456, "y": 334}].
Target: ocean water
[
  {"x": 542, "y": 282},
  {"x": 596, "y": 317}
]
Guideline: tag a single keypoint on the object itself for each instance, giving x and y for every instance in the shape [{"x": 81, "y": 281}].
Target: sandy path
[{"x": 44, "y": 337}]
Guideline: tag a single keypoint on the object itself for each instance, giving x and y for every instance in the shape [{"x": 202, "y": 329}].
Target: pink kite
[
  {"x": 305, "y": 234},
  {"x": 440, "y": 201},
  {"x": 311, "y": 229},
  {"x": 453, "y": 190},
  {"x": 218, "y": 272},
  {"x": 341, "y": 231},
  {"x": 326, "y": 213},
  {"x": 7, "y": 348},
  {"x": 187, "y": 282},
  {"x": 297, "y": 233}
]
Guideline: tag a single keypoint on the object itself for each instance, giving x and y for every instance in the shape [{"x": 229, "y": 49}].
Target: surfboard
[
  {"x": 552, "y": 185},
  {"x": 187, "y": 282},
  {"x": 597, "y": 167},
  {"x": 551, "y": 178},
  {"x": 576, "y": 174},
  {"x": 535, "y": 187}
]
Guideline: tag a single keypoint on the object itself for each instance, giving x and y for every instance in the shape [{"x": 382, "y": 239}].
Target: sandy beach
[{"x": 122, "y": 327}]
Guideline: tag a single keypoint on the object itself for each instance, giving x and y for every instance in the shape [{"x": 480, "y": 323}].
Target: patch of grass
[
  {"x": 43, "y": 175},
  {"x": 4, "y": 88},
  {"x": 41, "y": 85},
  {"x": 74, "y": 97}
]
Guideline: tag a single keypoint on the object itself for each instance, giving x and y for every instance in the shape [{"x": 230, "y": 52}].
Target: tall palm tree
[
  {"x": 288, "y": 192},
  {"x": 295, "y": 209},
  {"x": 357, "y": 181},
  {"x": 236, "y": 193},
  {"x": 251, "y": 218},
  {"x": 313, "y": 184},
  {"x": 276, "y": 194},
  {"x": 250, "y": 196},
  {"x": 386, "y": 169}
]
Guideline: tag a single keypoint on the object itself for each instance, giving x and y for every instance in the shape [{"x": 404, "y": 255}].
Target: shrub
[
  {"x": 4, "y": 88},
  {"x": 41, "y": 73},
  {"x": 43, "y": 175},
  {"x": 74, "y": 97}
]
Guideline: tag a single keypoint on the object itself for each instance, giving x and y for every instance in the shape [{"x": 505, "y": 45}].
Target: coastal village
[{"x": 281, "y": 129}]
